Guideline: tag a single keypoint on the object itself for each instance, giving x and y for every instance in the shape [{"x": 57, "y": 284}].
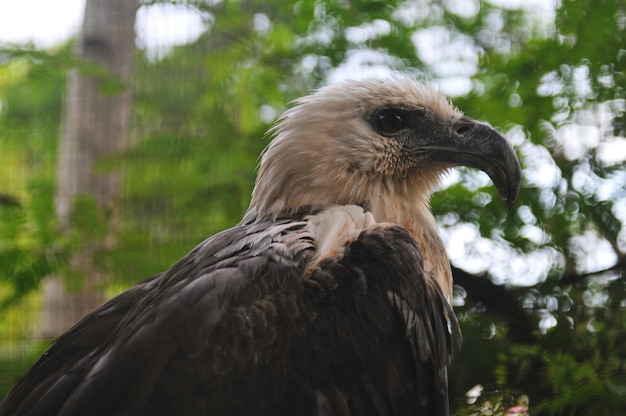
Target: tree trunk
[{"x": 94, "y": 125}]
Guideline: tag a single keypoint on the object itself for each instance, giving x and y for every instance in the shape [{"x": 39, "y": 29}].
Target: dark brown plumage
[{"x": 331, "y": 297}]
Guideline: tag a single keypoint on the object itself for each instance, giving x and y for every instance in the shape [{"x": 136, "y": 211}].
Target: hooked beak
[{"x": 475, "y": 144}]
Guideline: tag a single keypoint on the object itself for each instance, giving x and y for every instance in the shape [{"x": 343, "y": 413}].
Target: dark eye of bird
[{"x": 390, "y": 120}]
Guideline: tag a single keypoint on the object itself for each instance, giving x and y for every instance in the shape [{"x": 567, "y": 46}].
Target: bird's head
[{"x": 381, "y": 145}]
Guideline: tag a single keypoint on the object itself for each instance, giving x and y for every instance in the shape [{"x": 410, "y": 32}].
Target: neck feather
[
  {"x": 419, "y": 220},
  {"x": 404, "y": 204}
]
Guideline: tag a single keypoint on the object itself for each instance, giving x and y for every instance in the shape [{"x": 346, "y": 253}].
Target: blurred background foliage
[{"x": 540, "y": 289}]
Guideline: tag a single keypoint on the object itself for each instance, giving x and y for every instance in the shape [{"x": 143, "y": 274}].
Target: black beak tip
[
  {"x": 511, "y": 202},
  {"x": 507, "y": 182},
  {"x": 512, "y": 187}
]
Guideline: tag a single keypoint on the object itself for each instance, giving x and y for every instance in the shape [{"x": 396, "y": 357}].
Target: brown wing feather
[{"x": 236, "y": 328}]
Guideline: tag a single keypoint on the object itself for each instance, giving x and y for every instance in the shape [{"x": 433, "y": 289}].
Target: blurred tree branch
[{"x": 497, "y": 298}]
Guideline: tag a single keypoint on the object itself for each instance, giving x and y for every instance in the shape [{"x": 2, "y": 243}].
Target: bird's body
[{"x": 330, "y": 298}]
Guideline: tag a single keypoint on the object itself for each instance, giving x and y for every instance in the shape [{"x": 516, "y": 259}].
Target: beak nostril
[{"x": 463, "y": 130}]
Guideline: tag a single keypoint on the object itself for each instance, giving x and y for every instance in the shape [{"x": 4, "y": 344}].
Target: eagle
[{"x": 332, "y": 296}]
